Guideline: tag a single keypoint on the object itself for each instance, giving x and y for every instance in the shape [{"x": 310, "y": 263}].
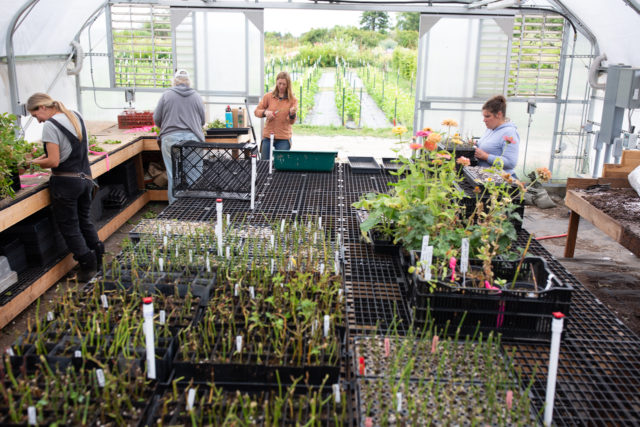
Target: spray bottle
[{"x": 228, "y": 117}]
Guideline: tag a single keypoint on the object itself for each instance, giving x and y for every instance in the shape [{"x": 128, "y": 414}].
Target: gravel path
[{"x": 325, "y": 112}]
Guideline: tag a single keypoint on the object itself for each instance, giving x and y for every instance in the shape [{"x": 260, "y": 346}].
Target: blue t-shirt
[{"x": 494, "y": 143}]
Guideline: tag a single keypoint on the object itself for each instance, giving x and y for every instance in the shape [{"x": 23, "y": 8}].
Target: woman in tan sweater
[{"x": 279, "y": 108}]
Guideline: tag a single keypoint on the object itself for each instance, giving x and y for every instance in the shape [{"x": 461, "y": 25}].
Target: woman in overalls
[{"x": 66, "y": 152}]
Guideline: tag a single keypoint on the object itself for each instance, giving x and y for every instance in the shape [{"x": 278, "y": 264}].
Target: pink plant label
[
  {"x": 434, "y": 343},
  {"x": 387, "y": 347}
]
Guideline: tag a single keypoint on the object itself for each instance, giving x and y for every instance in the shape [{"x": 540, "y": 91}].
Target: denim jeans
[
  {"x": 71, "y": 203},
  {"x": 278, "y": 144},
  {"x": 169, "y": 141}
]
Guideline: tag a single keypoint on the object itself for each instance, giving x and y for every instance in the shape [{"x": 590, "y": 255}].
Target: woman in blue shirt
[{"x": 501, "y": 140}]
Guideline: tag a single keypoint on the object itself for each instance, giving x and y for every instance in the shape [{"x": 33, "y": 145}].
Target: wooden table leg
[{"x": 572, "y": 234}]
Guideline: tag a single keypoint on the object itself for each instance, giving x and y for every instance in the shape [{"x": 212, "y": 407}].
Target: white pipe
[
  {"x": 253, "y": 181},
  {"x": 593, "y": 72},
  {"x": 501, "y": 4},
  {"x": 556, "y": 332},
  {"x": 219, "y": 225},
  {"x": 147, "y": 313},
  {"x": 271, "y": 154}
]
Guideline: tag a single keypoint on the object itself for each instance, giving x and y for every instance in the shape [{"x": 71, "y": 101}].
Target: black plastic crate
[
  {"x": 459, "y": 151},
  {"x": 520, "y": 314},
  {"x": 213, "y": 170},
  {"x": 13, "y": 249},
  {"x": 124, "y": 175},
  {"x": 33, "y": 229}
]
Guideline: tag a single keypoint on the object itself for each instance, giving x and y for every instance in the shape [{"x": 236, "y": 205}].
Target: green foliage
[
  {"x": 315, "y": 35},
  {"x": 374, "y": 21},
  {"x": 13, "y": 152},
  {"x": 405, "y": 61},
  {"x": 386, "y": 89},
  {"x": 346, "y": 96},
  {"x": 408, "y": 39},
  {"x": 408, "y": 21}
]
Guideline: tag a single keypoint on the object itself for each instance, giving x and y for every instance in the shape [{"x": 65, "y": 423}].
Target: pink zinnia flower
[
  {"x": 415, "y": 146},
  {"x": 462, "y": 160},
  {"x": 422, "y": 133}
]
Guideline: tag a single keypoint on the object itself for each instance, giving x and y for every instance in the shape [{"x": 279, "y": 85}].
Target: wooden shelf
[
  {"x": 21, "y": 301},
  {"x": 617, "y": 177}
]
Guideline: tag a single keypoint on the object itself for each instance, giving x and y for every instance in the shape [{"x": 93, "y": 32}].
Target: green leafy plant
[{"x": 14, "y": 152}]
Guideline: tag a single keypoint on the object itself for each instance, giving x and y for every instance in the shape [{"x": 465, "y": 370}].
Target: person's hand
[
  {"x": 269, "y": 115},
  {"x": 292, "y": 111},
  {"x": 481, "y": 154}
]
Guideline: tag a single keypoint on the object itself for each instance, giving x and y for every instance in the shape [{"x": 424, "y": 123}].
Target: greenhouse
[{"x": 340, "y": 213}]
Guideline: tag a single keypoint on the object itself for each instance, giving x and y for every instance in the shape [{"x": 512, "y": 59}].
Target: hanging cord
[{"x": 93, "y": 83}]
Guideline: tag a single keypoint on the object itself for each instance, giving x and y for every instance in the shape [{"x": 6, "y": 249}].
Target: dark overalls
[{"x": 71, "y": 189}]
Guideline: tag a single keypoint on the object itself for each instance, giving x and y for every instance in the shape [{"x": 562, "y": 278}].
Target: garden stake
[
  {"x": 452, "y": 266},
  {"x": 219, "y": 225},
  {"x": 253, "y": 181},
  {"x": 556, "y": 332},
  {"x": 387, "y": 347},
  {"x": 147, "y": 311}
]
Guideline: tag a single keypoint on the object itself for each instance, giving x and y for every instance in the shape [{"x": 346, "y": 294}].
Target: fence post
[
  {"x": 360, "y": 113},
  {"x": 300, "y": 104},
  {"x": 343, "y": 105}
]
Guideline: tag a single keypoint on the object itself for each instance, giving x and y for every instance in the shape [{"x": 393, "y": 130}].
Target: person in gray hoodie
[
  {"x": 180, "y": 117},
  {"x": 501, "y": 140}
]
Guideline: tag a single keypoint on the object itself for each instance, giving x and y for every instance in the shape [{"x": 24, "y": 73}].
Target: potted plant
[{"x": 14, "y": 151}]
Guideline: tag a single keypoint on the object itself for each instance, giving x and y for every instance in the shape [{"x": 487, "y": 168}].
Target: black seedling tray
[
  {"x": 363, "y": 164},
  {"x": 227, "y": 131}
]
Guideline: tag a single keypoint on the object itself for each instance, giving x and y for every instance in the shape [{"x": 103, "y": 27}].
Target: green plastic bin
[{"x": 310, "y": 161}]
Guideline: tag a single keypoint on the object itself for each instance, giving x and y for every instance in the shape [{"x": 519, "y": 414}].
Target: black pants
[{"x": 71, "y": 202}]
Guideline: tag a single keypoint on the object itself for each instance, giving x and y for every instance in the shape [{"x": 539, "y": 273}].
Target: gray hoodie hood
[{"x": 183, "y": 90}]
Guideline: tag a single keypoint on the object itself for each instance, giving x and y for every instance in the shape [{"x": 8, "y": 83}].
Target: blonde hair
[
  {"x": 38, "y": 100},
  {"x": 284, "y": 75}
]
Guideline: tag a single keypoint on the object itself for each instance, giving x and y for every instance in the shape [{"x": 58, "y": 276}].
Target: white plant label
[
  {"x": 273, "y": 241},
  {"x": 339, "y": 294},
  {"x": 239, "y": 343},
  {"x": 177, "y": 253},
  {"x": 425, "y": 245},
  {"x": 252, "y": 292},
  {"x": 191, "y": 398},
  {"x": 320, "y": 222},
  {"x": 228, "y": 252},
  {"x": 425, "y": 262},
  {"x": 464, "y": 255},
  {"x": 336, "y": 392},
  {"x": 190, "y": 255},
  {"x": 10, "y": 352},
  {"x": 100, "y": 377},
  {"x": 236, "y": 289},
  {"x": 228, "y": 219},
  {"x": 295, "y": 224},
  {"x": 165, "y": 240},
  {"x": 314, "y": 326},
  {"x": 321, "y": 268},
  {"x": 160, "y": 264},
  {"x": 327, "y": 324},
  {"x": 208, "y": 264},
  {"x": 153, "y": 255},
  {"x": 77, "y": 354},
  {"x": 32, "y": 416},
  {"x": 337, "y": 262},
  {"x": 399, "y": 401},
  {"x": 282, "y": 226},
  {"x": 105, "y": 303},
  {"x": 315, "y": 237},
  {"x": 50, "y": 316},
  {"x": 162, "y": 317},
  {"x": 273, "y": 265}
]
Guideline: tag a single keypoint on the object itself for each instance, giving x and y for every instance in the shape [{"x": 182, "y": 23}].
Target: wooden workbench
[{"x": 616, "y": 177}]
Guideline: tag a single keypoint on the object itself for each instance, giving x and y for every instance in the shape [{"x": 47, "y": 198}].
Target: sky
[{"x": 300, "y": 21}]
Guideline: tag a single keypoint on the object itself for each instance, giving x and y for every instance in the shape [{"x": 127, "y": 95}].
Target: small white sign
[
  {"x": 100, "y": 377},
  {"x": 464, "y": 256}
]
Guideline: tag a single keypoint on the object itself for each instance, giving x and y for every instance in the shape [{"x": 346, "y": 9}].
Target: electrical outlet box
[{"x": 628, "y": 88}]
